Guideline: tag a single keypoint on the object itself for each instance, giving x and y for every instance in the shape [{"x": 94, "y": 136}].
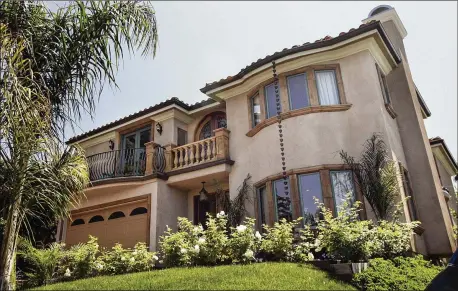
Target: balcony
[{"x": 161, "y": 161}]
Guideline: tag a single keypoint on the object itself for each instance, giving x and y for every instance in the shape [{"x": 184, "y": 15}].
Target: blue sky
[{"x": 200, "y": 42}]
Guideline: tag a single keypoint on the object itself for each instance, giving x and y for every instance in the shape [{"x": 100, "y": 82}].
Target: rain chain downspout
[{"x": 280, "y": 131}]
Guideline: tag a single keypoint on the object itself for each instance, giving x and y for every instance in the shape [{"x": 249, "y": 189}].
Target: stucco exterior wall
[
  {"x": 430, "y": 202},
  {"x": 446, "y": 181},
  {"x": 313, "y": 139},
  {"x": 171, "y": 204}
]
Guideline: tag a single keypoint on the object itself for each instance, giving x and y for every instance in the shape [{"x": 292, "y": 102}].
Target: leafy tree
[
  {"x": 53, "y": 67},
  {"x": 376, "y": 175}
]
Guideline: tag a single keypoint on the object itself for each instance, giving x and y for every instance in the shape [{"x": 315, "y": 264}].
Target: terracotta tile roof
[
  {"x": 168, "y": 102},
  {"x": 323, "y": 42}
]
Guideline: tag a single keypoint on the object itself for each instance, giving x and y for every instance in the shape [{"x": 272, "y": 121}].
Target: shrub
[
  {"x": 345, "y": 237},
  {"x": 120, "y": 260},
  {"x": 42, "y": 264},
  {"x": 212, "y": 249},
  {"x": 243, "y": 243},
  {"x": 278, "y": 240},
  {"x": 397, "y": 274},
  {"x": 392, "y": 238},
  {"x": 182, "y": 248},
  {"x": 80, "y": 260}
]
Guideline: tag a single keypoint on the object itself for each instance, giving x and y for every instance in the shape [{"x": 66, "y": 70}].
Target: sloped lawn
[{"x": 266, "y": 276}]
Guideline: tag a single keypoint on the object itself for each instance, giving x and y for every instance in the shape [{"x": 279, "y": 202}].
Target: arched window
[
  {"x": 138, "y": 211},
  {"x": 78, "y": 221},
  {"x": 209, "y": 123},
  {"x": 117, "y": 214},
  {"x": 96, "y": 218}
]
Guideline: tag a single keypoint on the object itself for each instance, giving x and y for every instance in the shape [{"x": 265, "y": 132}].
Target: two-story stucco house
[{"x": 147, "y": 168}]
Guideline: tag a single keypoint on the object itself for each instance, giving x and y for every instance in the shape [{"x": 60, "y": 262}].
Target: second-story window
[
  {"x": 298, "y": 91},
  {"x": 326, "y": 85},
  {"x": 182, "y": 137},
  {"x": 271, "y": 103},
  {"x": 383, "y": 86},
  {"x": 255, "y": 110}
]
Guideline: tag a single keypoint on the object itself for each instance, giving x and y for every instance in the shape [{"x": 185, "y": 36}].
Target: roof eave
[{"x": 278, "y": 55}]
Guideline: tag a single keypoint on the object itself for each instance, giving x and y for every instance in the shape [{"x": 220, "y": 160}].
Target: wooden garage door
[{"x": 124, "y": 223}]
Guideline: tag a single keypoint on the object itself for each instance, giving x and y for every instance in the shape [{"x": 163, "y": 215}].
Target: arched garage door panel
[{"x": 126, "y": 230}]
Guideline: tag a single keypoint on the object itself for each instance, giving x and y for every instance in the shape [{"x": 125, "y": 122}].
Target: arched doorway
[{"x": 209, "y": 123}]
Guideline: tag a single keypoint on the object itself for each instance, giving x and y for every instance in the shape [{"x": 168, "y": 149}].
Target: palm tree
[
  {"x": 376, "y": 175},
  {"x": 53, "y": 66}
]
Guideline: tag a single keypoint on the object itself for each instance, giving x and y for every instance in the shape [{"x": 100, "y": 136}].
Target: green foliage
[
  {"x": 80, "y": 260},
  {"x": 181, "y": 248},
  {"x": 376, "y": 176},
  {"x": 214, "y": 251},
  {"x": 392, "y": 238},
  {"x": 121, "y": 261},
  {"x": 278, "y": 242},
  {"x": 42, "y": 263},
  {"x": 397, "y": 274},
  {"x": 235, "y": 209},
  {"x": 243, "y": 243},
  {"x": 348, "y": 238},
  {"x": 345, "y": 237}
]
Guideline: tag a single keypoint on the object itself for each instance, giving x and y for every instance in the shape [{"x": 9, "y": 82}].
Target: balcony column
[
  {"x": 222, "y": 143},
  {"x": 150, "y": 148},
  {"x": 169, "y": 157}
]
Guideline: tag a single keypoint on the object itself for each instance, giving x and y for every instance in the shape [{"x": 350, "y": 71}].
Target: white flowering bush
[
  {"x": 392, "y": 238},
  {"x": 182, "y": 248},
  {"x": 278, "y": 240},
  {"x": 214, "y": 249},
  {"x": 346, "y": 237},
  {"x": 303, "y": 249},
  {"x": 119, "y": 260},
  {"x": 243, "y": 242},
  {"x": 80, "y": 260}
]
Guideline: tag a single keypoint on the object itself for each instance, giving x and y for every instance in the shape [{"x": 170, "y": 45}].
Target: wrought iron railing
[{"x": 124, "y": 163}]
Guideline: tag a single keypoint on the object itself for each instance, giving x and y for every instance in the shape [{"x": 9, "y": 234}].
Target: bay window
[
  {"x": 282, "y": 200},
  {"x": 326, "y": 84},
  {"x": 342, "y": 186},
  {"x": 298, "y": 91},
  {"x": 262, "y": 204},
  {"x": 309, "y": 189},
  {"x": 271, "y": 103},
  {"x": 255, "y": 110}
]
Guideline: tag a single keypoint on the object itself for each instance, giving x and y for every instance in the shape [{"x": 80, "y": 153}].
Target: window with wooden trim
[
  {"x": 342, "y": 185},
  {"x": 270, "y": 100},
  {"x": 408, "y": 192},
  {"x": 255, "y": 110},
  {"x": 116, "y": 215},
  {"x": 327, "y": 88},
  {"x": 96, "y": 218},
  {"x": 262, "y": 204},
  {"x": 298, "y": 92},
  {"x": 282, "y": 200},
  {"x": 383, "y": 85},
  {"x": 309, "y": 189},
  {"x": 182, "y": 137}
]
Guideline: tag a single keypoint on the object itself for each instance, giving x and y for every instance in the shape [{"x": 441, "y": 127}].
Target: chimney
[{"x": 391, "y": 23}]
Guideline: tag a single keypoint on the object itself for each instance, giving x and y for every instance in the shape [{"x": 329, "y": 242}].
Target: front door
[{"x": 202, "y": 207}]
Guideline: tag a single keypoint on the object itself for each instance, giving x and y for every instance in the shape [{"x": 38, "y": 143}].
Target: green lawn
[{"x": 249, "y": 277}]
